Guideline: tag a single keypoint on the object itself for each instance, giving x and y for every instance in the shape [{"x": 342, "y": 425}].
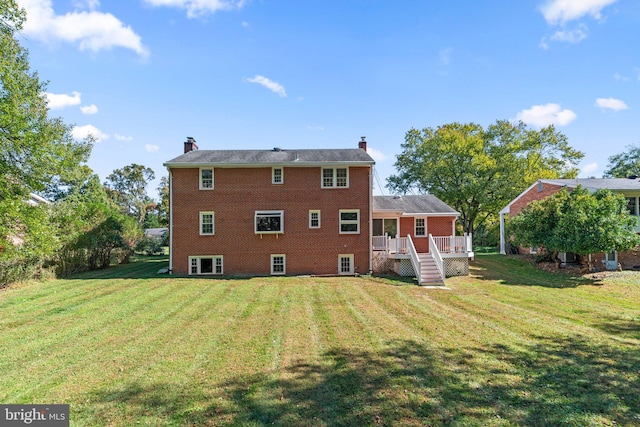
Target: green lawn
[{"x": 509, "y": 345}]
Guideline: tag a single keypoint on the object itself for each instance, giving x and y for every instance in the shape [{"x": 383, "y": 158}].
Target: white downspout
[{"x": 371, "y": 219}]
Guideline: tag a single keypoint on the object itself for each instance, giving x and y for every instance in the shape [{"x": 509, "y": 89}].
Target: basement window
[{"x": 205, "y": 265}]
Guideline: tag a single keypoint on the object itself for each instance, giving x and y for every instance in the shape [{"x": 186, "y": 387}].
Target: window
[
  {"x": 206, "y": 223},
  {"x": 278, "y": 264},
  {"x": 335, "y": 177},
  {"x": 421, "y": 228},
  {"x": 345, "y": 264},
  {"x": 631, "y": 205},
  {"x": 269, "y": 222},
  {"x": 350, "y": 221},
  {"x": 206, "y": 179},
  {"x": 277, "y": 176},
  {"x": 314, "y": 219},
  {"x": 205, "y": 265}
]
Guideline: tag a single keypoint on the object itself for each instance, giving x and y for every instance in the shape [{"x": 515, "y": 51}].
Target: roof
[
  {"x": 613, "y": 184},
  {"x": 592, "y": 184},
  {"x": 157, "y": 232},
  {"x": 420, "y": 204},
  {"x": 275, "y": 156}
]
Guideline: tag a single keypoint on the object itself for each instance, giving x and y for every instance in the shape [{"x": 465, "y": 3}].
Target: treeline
[{"x": 87, "y": 224}]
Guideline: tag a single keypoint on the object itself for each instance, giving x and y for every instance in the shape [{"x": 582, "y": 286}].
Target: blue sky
[{"x": 142, "y": 75}]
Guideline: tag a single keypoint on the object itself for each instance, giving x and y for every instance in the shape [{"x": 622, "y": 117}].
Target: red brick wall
[
  {"x": 534, "y": 194},
  {"x": 438, "y": 226},
  {"x": 239, "y": 192}
]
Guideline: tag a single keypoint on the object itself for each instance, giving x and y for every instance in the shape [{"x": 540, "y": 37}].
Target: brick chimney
[
  {"x": 363, "y": 143},
  {"x": 190, "y": 145}
]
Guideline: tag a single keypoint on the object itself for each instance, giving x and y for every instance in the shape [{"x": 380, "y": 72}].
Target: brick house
[
  {"x": 629, "y": 187},
  {"x": 273, "y": 212}
]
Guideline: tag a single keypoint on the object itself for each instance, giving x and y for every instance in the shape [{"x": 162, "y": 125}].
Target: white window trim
[
  {"x": 214, "y": 259},
  {"x": 273, "y": 175},
  {"x": 284, "y": 265},
  {"x": 312, "y": 211},
  {"x": 341, "y": 221},
  {"x": 415, "y": 228},
  {"x": 268, "y": 213},
  {"x": 334, "y": 181},
  {"x": 351, "y": 265},
  {"x": 213, "y": 223},
  {"x": 200, "y": 179}
]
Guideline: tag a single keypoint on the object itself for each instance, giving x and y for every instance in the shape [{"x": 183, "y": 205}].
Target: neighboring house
[
  {"x": 629, "y": 187},
  {"x": 156, "y": 233},
  {"x": 277, "y": 212},
  {"x": 17, "y": 239}
]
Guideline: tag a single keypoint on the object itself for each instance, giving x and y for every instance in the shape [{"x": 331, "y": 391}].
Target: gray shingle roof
[
  {"x": 426, "y": 203},
  {"x": 275, "y": 156},
  {"x": 614, "y": 184}
]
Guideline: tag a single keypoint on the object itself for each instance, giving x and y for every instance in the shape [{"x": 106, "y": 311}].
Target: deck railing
[
  {"x": 437, "y": 257},
  {"x": 453, "y": 244}
]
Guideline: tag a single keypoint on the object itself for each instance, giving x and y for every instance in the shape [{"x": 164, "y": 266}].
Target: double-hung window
[
  {"x": 420, "y": 227},
  {"x": 269, "y": 222},
  {"x": 277, "y": 175},
  {"x": 206, "y": 178},
  {"x": 335, "y": 177},
  {"x": 206, "y": 223},
  {"x": 350, "y": 221},
  {"x": 314, "y": 219},
  {"x": 205, "y": 265}
]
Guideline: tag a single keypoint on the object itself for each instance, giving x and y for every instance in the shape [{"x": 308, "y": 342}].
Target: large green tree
[
  {"x": 478, "y": 171},
  {"x": 35, "y": 149},
  {"x": 128, "y": 188},
  {"x": 577, "y": 221},
  {"x": 624, "y": 165}
]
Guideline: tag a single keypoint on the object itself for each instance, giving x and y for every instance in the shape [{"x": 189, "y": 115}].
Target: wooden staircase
[{"x": 430, "y": 275}]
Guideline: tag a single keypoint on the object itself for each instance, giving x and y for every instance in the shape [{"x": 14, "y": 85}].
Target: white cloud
[
  {"x": 571, "y": 36},
  {"x": 377, "y": 155},
  {"x": 62, "y": 100},
  {"x": 619, "y": 77},
  {"x": 197, "y": 8},
  {"x": 123, "y": 138},
  {"x": 87, "y": 4},
  {"x": 562, "y": 11},
  {"x": 611, "y": 104},
  {"x": 81, "y": 132},
  {"x": 91, "y": 30},
  {"x": 545, "y": 115},
  {"x": 591, "y": 167},
  {"x": 89, "y": 109},
  {"x": 151, "y": 148},
  {"x": 269, "y": 84}
]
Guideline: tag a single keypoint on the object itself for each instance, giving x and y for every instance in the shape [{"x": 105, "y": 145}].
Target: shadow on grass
[
  {"x": 555, "y": 381},
  {"x": 620, "y": 327},
  {"x": 518, "y": 270}
]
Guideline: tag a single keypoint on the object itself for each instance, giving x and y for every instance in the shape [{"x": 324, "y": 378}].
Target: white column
[{"x": 502, "y": 245}]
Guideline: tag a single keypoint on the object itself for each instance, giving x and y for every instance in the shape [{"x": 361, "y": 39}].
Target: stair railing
[
  {"x": 435, "y": 253},
  {"x": 415, "y": 259}
]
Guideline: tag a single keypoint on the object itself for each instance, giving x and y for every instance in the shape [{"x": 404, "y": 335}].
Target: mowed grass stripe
[{"x": 124, "y": 336}]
